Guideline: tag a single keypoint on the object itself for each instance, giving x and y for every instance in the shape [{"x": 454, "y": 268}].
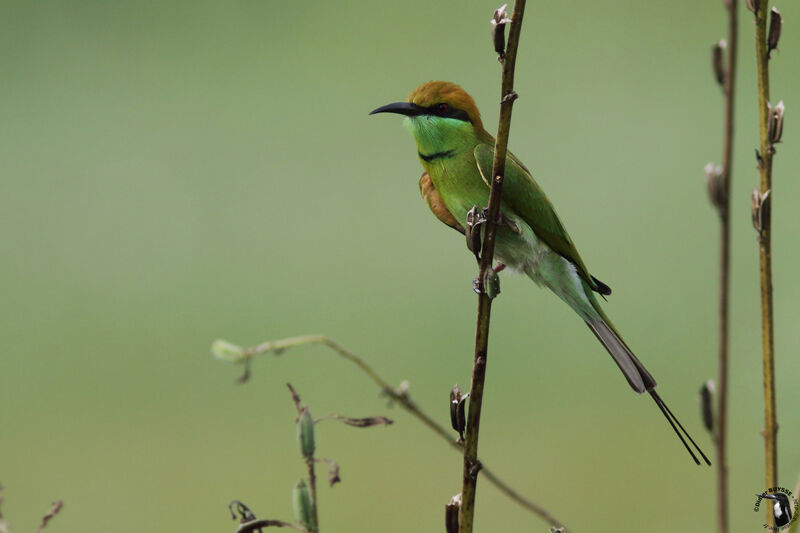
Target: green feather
[{"x": 527, "y": 199}]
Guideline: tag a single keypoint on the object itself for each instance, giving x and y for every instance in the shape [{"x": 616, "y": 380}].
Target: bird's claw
[
  {"x": 489, "y": 285},
  {"x": 472, "y": 231}
]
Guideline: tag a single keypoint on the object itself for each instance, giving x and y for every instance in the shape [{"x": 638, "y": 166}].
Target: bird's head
[{"x": 439, "y": 114}]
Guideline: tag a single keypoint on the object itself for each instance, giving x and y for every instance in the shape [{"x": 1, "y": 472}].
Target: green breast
[{"x": 458, "y": 182}]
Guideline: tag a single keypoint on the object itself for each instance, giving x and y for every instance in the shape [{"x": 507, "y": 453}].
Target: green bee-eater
[{"x": 456, "y": 153}]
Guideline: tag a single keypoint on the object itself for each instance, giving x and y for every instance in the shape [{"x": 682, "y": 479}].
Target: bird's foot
[
  {"x": 499, "y": 267},
  {"x": 475, "y": 219},
  {"x": 489, "y": 285},
  {"x": 509, "y": 223}
]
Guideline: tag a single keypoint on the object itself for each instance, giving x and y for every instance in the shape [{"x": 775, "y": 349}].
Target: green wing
[{"x": 526, "y": 198}]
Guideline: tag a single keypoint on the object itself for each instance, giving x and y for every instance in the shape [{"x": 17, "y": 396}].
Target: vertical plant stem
[
  {"x": 471, "y": 464},
  {"x": 765, "y": 254},
  {"x": 720, "y": 436},
  {"x": 312, "y": 484}
]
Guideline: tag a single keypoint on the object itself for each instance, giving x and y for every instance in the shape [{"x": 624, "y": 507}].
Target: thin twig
[
  {"x": 256, "y": 525},
  {"x": 722, "y": 202},
  {"x": 400, "y": 396},
  {"x": 765, "y": 250},
  {"x": 312, "y": 483},
  {"x": 54, "y": 510},
  {"x": 507, "y": 96}
]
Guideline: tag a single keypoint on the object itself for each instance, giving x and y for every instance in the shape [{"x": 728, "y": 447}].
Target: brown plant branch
[
  {"x": 507, "y": 96},
  {"x": 234, "y": 354},
  {"x": 256, "y": 525},
  {"x": 719, "y": 189},
  {"x": 762, "y": 217}
]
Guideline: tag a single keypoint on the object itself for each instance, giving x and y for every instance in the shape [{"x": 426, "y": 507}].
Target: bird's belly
[
  {"x": 526, "y": 253},
  {"x": 523, "y": 251}
]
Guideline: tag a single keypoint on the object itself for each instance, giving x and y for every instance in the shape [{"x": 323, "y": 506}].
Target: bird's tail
[{"x": 637, "y": 375}]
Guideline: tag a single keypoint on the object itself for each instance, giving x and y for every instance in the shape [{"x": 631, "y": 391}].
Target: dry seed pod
[
  {"x": 717, "y": 59},
  {"x": 498, "y": 22},
  {"x": 775, "y": 122},
  {"x": 775, "y": 26},
  {"x": 706, "y": 405}
]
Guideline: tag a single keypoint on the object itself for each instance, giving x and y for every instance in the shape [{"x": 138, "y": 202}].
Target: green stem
[
  {"x": 312, "y": 483},
  {"x": 720, "y": 436},
  {"x": 765, "y": 256}
]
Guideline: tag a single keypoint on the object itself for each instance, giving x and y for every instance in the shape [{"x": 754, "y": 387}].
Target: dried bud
[
  {"x": 760, "y": 204},
  {"x": 717, "y": 60},
  {"x": 775, "y": 122},
  {"x": 303, "y": 505},
  {"x": 333, "y": 473},
  {"x": 451, "y": 514},
  {"x": 402, "y": 390},
  {"x": 715, "y": 185},
  {"x": 226, "y": 351},
  {"x": 458, "y": 416},
  {"x": 305, "y": 434},
  {"x": 753, "y": 5},
  {"x": 498, "y": 22},
  {"x": 706, "y": 405},
  {"x": 775, "y": 26}
]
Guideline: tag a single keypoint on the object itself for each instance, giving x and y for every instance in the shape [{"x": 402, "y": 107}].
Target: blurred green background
[{"x": 174, "y": 172}]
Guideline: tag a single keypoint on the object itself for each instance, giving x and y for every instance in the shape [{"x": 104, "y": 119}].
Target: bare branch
[
  {"x": 719, "y": 186},
  {"x": 398, "y": 395},
  {"x": 471, "y": 463}
]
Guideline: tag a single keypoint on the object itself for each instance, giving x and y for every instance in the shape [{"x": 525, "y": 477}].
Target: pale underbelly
[{"x": 523, "y": 251}]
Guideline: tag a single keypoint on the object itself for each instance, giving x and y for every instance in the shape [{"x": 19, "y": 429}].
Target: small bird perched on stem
[{"x": 456, "y": 153}]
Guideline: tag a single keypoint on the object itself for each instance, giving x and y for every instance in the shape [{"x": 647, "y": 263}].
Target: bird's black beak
[
  {"x": 767, "y": 496},
  {"x": 401, "y": 108}
]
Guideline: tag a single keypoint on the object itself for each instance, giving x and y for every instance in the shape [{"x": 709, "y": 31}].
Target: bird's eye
[{"x": 442, "y": 108}]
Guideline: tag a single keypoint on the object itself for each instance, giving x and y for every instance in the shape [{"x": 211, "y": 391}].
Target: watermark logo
[{"x": 783, "y": 505}]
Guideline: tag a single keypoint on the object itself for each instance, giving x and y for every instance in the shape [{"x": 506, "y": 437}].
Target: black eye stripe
[{"x": 449, "y": 112}]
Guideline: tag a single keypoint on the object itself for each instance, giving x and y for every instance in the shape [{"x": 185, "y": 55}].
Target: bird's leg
[
  {"x": 510, "y": 223},
  {"x": 491, "y": 282}
]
